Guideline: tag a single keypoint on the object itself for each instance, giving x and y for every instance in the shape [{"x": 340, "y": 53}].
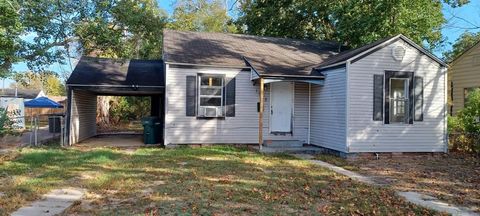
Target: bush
[
  {"x": 464, "y": 129},
  {"x": 6, "y": 124}
]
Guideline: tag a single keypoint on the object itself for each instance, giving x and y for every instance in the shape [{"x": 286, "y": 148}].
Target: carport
[{"x": 94, "y": 77}]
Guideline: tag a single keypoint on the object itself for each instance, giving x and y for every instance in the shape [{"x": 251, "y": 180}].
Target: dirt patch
[{"x": 454, "y": 178}]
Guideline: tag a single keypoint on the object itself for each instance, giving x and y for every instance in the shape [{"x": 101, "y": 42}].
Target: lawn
[
  {"x": 190, "y": 181},
  {"x": 454, "y": 178}
]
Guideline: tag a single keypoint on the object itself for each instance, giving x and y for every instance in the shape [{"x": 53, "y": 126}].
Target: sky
[{"x": 459, "y": 20}]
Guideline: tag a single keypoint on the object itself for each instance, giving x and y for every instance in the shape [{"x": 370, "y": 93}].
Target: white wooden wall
[
  {"x": 366, "y": 135},
  {"x": 328, "y": 111},
  {"x": 241, "y": 129},
  {"x": 182, "y": 129},
  {"x": 83, "y": 116}
]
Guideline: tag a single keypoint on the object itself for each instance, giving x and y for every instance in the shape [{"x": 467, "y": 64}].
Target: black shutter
[
  {"x": 418, "y": 82},
  {"x": 229, "y": 96},
  {"x": 411, "y": 99},
  {"x": 377, "y": 97},
  {"x": 386, "y": 97},
  {"x": 191, "y": 102}
]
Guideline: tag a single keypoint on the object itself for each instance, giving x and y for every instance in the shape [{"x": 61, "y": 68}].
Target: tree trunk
[{"x": 103, "y": 111}]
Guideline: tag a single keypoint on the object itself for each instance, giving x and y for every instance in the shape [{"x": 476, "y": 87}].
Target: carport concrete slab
[
  {"x": 52, "y": 203},
  {"x": 118, "y": 141}
]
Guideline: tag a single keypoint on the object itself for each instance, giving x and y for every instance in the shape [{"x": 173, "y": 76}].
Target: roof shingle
[
  {"x": 103, "y": 71},
  {"x": 267, "y": 55}
]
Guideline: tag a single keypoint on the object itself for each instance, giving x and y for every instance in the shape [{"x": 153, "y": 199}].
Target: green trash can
[{"x": 150, "y": 129}]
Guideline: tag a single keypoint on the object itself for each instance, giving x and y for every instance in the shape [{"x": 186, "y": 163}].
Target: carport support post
[{"x": 260, "y": 114}]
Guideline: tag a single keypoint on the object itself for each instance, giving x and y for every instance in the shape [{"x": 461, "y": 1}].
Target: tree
[
  {"x": 47, "y": 81},
  {"x": 350, "y": 22},
  {"x": 51, "y": 28},
  {"x": 362, "y": 22},
  {"x": 122, "y": 29},
  {"x": 10, "y": 31},
  {"x": 462, "y": 44},
  {"x": 7, "y": 126},
  {"x": 201, "y": 15}
]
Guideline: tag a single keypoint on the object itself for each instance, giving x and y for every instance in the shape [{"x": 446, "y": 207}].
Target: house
[
  {"x": 463, "y": 77},
  {"x": 388, "y": 96},
  {"x": 27, "y": 94}
]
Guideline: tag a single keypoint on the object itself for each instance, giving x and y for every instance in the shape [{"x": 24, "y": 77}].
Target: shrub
[
  {"x": 6, "y": 124},
  {"x": 464, "y": 129}
]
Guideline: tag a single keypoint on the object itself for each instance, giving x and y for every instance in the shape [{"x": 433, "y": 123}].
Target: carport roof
[{"x": 92, "y": 71}]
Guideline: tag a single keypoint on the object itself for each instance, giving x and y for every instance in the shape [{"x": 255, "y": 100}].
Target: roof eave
[
  {"x": 387, "y": 42},
  {"x": 206, "y": 65}
]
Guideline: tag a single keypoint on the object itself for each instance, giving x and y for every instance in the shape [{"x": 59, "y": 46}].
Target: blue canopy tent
[{"x": 42, "y": 102}]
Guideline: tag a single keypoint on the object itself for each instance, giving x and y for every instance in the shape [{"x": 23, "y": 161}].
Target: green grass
[{"x": 190, "y": 181}]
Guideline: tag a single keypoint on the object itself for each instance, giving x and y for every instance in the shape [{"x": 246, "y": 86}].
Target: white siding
[
  {"x": 328, "y": 111},
  {"x": 366, "y": 135},
  {"x": 83, "y": 116},
  {"x": 182, "y": 129},
  {"x": 241, "y": 129},
  {"x": 300, "y": 115}
]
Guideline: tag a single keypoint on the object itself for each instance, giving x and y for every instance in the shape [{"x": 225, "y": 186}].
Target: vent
[{"x": 398, "y": 52}]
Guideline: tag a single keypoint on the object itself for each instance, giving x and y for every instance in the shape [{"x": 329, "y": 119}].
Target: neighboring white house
[{"x": 388, "y": 96}]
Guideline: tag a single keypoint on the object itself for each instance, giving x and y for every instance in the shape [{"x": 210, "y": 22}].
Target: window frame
[
  {"x": 386, "y": 94},
  {"x": 465, "y": 94},
  {"x": 406, "y": 106},
  {"x": 221, "y": 96}
]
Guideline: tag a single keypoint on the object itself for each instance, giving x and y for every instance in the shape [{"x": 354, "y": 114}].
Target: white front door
[{"x": 281, "y": 106}]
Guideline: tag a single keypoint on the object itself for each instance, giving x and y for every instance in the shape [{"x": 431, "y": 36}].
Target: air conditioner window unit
[{"x": 208, "y": 111}]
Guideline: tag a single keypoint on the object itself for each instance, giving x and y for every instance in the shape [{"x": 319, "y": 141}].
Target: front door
[{"x": 281, "y": 107}]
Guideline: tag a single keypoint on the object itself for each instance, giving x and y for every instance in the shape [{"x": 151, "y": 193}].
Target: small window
[
  {"x": 399, "y": 100},
  {"x": 466, "y": 92},
  {"x": 210, "y": 96}
]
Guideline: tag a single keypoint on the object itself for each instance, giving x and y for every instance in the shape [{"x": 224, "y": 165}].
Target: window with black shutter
[
  {"x": 399, "y": 97},
  {"x": 210, "y": 96}
]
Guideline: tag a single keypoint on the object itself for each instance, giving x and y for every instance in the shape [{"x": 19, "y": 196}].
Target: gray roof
[
  {"x": 343, "y": 56},
  {"x": 101, "y": 71},
  {"x": 267, "y": 55},
  {"x": 21, "y": 93},
  {"x": 354, "y": 54}
]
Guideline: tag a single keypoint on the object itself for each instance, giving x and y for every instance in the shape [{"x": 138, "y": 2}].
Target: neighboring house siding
[
  {"x": 182, "y": 129},
  {"x": 328, "y": 109},
  {"x": 366, "y": 135},
  {"x": 464, "y": 73},
  {"x": 83, "y": 116},
  {"x": 300, "y": 115}
]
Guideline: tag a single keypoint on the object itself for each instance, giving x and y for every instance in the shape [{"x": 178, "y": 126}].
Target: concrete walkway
[
  {"x": 52, "y": 203},
  {"x": 413, "y": 197}
]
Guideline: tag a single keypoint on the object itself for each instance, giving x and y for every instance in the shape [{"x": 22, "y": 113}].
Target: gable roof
[
  {"x": 92, "y": 71},
  {"x": 267, "y": 55},
  {"x": 477, "y": 44},
  {"x": 358, "y": 53}
]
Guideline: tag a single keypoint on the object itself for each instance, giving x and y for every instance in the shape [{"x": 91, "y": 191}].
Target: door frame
[{"x": 292, "y": 85}]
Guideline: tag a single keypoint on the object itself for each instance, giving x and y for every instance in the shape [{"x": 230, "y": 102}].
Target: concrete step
[{"x": 282, "y": 143}]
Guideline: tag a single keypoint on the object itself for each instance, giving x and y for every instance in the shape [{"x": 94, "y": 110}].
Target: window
[
  {"x": 466, "y": 91},
  {"x": 210, "y": 96},
  {"x": 399, "y": 100},
  {"x": 397, "y": 97}
]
